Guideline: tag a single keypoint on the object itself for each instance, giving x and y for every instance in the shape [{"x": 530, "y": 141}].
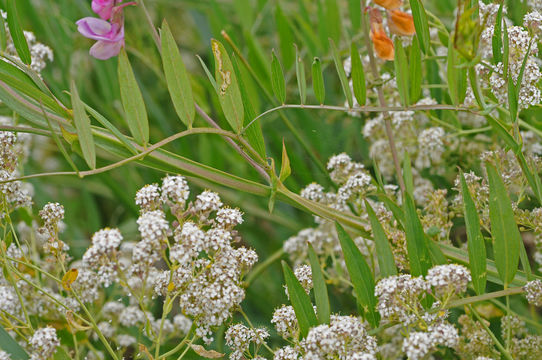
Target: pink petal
[
  {"x": 103, "y": 50},
  {"x": 93, "y": 28}
]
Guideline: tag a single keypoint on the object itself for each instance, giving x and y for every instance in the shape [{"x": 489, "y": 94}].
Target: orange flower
[
  {"x": 389, "y": 4},
  {"x": 401, "y": 23},
  {"x": 381, "y": 42}
]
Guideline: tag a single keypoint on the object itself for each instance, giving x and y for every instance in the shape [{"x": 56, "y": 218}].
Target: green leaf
[
  {"x": 386, "y": 262},
  {"x": 505, "y": 51},
  {"x": 358, "y": 76},
  {"x": 12, "y": 347},
  {"x": 301, "y": 302},
  {"x": 208, "y": 73},
  {"x": 228, "y": 89},
  {"x": 318, "y": 81},
  {"x": 17, "y": 34},
  {"x": 82, "y": 126},
  {"x": 342, "y": 74},
  {"x": 512, "y": 99},
  {"x": 322, "y": 25},
  {"x": 415, "y": 67},
  {"x": 421, "y": 25},
  {"x": 354, "y": 10},
  {"x": 3, "y": 34},
  {"x": 333, "y": 20},
  {"x": 285, "y": 169},
  {"x": 253, "y": 133},
  {"x": 277, "y": 79},
  {"x": 457, "y": 77},
  {"x": 286, "y": 38},
  {"x": 132, "y": 101},
  {"x": 475, "y": 241},
  {"x": 177, "y": 79},
  {"x": 320, "y": 289},
  {"x": 360, "y": 275},
  {"x": 467, "y": 28},
  {"x": 506, "y": 236},
  {"x": 300, "y": 74},
  {"x": 407, "y": 174},
  {"x": 496, "y": 40},
  {"x": 417, "y": 244},
  {"x": 401, "y": 72}
]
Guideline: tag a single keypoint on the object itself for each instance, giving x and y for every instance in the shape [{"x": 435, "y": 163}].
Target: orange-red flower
[
  {"x": 389, "y": 4},
  {"x": 401, "y": 23},
  {"x": 382, "y": 44}
]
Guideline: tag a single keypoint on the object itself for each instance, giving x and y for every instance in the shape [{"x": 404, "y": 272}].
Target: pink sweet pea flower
[
  {"x": 109, "y": 36},
  {"x": 103, "y": 8}
]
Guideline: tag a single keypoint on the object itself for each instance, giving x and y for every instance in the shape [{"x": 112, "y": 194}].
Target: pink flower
[
  {"x": 109, "y": 36},
  {"x": 103, "y": 8}
]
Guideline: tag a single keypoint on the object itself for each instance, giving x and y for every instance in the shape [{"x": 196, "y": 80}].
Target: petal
[
  {"x": 103, "y": 8},
  {"x": 94, "y": 28},
  {"x": 103, "y": 50}
]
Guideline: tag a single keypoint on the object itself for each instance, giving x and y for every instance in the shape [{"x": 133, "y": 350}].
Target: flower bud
[{"x": 382, "y": 44}]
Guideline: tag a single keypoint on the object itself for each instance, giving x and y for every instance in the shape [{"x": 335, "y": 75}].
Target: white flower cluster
[
  {"x": 448, "y": 279},
  {"x": 420, "y": 343},
  {"x": 44, "y": 343},
  {"x": 101, "y": 255},
  {"x": 303, "y": 273},
  {"x": 399, "y": 297},
  {"x": 239, "y": 337},
  {"x": 533, "y": 292}
]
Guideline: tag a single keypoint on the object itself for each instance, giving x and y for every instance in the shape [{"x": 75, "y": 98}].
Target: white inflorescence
[
  {"x": 303, "y": 273},
  {"x": 533, "y": 290},
  {"x": 450, "y": 278},
  {"x": 397, "y": 295},
  {"x": 239, "y": 337},
  {"x": 148, "y": 197},
  {"x": 44, "y": 343},
  {"x": 100, "y": 255}
]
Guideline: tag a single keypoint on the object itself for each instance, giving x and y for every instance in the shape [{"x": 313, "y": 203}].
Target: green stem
[
  {"x": 501, "y": 348},
  {"x": 484, "y": 297}
]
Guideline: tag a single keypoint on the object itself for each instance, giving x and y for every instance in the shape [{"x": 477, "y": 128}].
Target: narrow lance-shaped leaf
[
  {"x": 177, "y": 79},
  {"x": 417, "y": 247},
  {"x": 386, "y": 262},
  {"x": 82, "y": 126},
  {"x": 12, "y": 347},
  {"x": 354, "y": 10},
  {"x": 496, "y": 40},
  {"x": 318, "y": 81},
  {"x": 320, "y": 289},
  {"x": 415, "y": 67},
  {"x": 333, "y": 20},
  {"x": 228, "y": 89},
  {"x": 457, "y": 76},
  {"x": 132, "y": 101},
  {"x": 360, "y": 275},
  {"x": 342, "y": 74},
  {"x": 301, "y": 302},
  {"x": 277, "y": 79},
  {"x": 17, "y": 34},
  {"x": 506, "y": 236},
  {"x": 358, "y": 76},
  {"x": 421, "y": 25},
  {"x": 300, "y": 74},
  {"x": 475, "y": 240},
  {"x": 3, "y": 34},
  {"x": 401, "y": 72},
  {"x": 285, "y": 169}
]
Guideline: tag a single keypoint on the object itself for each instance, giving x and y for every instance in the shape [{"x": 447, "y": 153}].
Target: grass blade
[
  {"x": 277, "y": 79},
  {"x": 228, "y": 88},
  {"x": 301, "y": 302},
  {"x": 19, "y": 41},
  {"x": 318, "y": 81},
  {"x": 358, "y": 76},
  {"x": 506, "y": 236},
  {"x": 177, "y": 79},
  {"x": 342, "y": 74},
  {"x": 475, "y": 241},
  {"x": 417, "y": 247},
  {"x": 386, "y": 262},
  {"x": 82, "y": 126},
  {"x": 360, "y": 275},
  {"x": 320, "y": 289},
  {"x": 132, "y": 101}
]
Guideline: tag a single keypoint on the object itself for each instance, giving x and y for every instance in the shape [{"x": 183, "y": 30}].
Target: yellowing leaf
[
  {"x": 209, "y": 354},
  {"x": 69, "y": 277}
]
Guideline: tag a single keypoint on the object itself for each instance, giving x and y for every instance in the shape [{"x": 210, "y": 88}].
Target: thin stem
[
  {"x": 382, "y": 101},
  {"x": 155, "y": 35},
  {"x": 491, "y": 295},
  {"x": 140, "y": 155},
  {"x": 490, "y": 333},
  {"x": 187, "y": 348}
]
